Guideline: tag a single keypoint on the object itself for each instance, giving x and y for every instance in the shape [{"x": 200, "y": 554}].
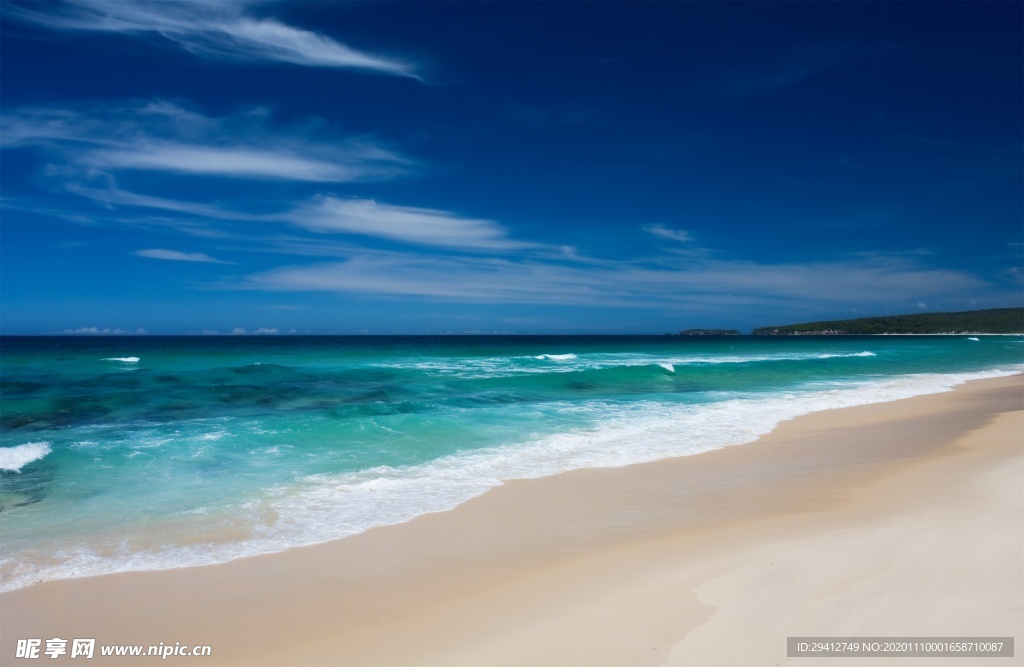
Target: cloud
[
  {"x": 215, "y": 30},
  {"x": 452, "y": 278},
  {"x": 856, "y": 281},
  {"x": 234, "y": 161},
  {"x": 164, "y": 137},
  {"x": 112, "y": 195},
  {"x": 96, "y": 331},
  {"x": 175, "y": 256},
  {"x": 667, "y": 233},
  {"x": 262, "y": 331},
  {"x": 422, "y": 226},
  {"x": 1013, "y": 274},
  {"x": 325, "y": 214}
]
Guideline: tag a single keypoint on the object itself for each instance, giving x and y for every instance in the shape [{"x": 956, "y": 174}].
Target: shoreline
[
  {"x": 657, "y": 436},
  {"x": 578, "y": 567}
]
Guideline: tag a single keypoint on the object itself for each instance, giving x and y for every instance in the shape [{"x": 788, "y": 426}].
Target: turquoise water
[{"x": 126, "y": 453}]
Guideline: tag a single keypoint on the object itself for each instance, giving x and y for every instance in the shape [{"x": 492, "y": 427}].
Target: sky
[{"x": 505, "y": 167}]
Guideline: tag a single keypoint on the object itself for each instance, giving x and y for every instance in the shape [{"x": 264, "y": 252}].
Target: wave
[
  {"x": 126, "y": 360},
  {"x": 13, "y": 459},
  {"x": 736, "y": 359},
  {"x": 499, "y": 367},
  {"x": 320, "y": 508}
]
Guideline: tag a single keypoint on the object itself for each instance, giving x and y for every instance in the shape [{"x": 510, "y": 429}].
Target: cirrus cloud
[
  {"x": 176, "y": 256},
  {"x": 857, "y": 281},
  {"x": 161, "y": 136},
  {"x": 106, "y": 331},
  {"x": 214, "y": 30},
  {"x": 664, "y": 232},
  {"x": 409, "y": 224}
]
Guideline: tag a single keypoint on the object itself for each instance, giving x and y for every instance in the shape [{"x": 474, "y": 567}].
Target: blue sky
[{"x": 505, "y": 167}]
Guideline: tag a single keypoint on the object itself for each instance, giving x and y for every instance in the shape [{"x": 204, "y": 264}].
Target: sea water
[{"x": 135, "y": 453}]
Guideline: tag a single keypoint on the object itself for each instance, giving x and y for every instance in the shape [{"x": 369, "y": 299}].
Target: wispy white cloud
[
  {"x": 175, "y": 256},
  {"x": 229, "y": 161},
  {"x": 664, "y": 232},
  {"x": 1013, "y": 274},
  {"x": 847, "y": 283},
  {"x": 213, "y": 29},
  {"x": 469, "y": 259},
  {"x": 422, "y": 226},
  {"x": 98, "y": 144},
  {"x": 107, "y": 331},
  {"x": 113, "y": 195},
  {"x": 325, "y": 214},
  {"x": 164, "y": 137},
  {"x": 455, "y": 278},
  {"x": 262, "y": 331}
]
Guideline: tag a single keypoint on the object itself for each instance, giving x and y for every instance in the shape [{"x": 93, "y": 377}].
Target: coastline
[{"x": 865, "y": 506}]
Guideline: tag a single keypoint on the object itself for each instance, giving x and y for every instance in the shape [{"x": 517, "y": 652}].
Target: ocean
[{"x": 141, "y": 453}]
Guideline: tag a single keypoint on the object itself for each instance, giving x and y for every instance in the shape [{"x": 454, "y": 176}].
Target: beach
[
  {"x": 511, "y": 334},
  {"x": 902, "y": 518}
]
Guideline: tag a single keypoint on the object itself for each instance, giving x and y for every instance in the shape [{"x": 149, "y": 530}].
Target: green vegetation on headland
[
  {"x": 993, "y": 320},
  {"x": 709, "y": 332}
]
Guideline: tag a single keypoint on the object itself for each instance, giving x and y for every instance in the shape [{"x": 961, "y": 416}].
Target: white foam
[
  {"x": 126, "y": 360},
  {"x": 495, "y": 367},
  {"x": 321, "y": 508},
  {"x": 13, "y": 459},
  {"x": 974, "y": 339},
  {"x": 669, "y": 367}
]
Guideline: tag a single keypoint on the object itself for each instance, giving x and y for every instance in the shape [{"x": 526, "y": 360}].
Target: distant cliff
[
  {"x": 709, "y": 332},
  {"x": 993, "y": 320}
]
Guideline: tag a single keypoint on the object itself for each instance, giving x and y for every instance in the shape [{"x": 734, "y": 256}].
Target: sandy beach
[{"x": 895, "y": 519}]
